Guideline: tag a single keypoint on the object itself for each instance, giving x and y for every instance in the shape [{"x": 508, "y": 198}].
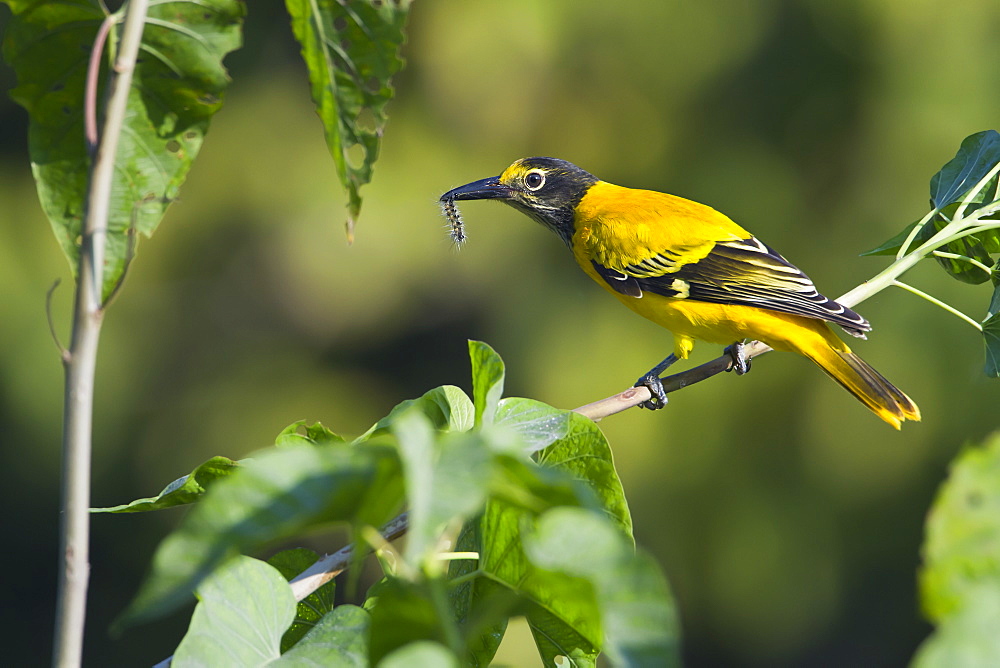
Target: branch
[
  {"x": 81, "y": 360},
  {"x": 332, "y": 565}
]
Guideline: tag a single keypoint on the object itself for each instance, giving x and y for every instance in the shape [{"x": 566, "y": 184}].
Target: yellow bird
[{"x": 692, "y": 270}]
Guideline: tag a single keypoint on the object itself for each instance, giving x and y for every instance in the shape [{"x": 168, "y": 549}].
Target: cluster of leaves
[
  {"x": 514, "y": 509},
  {"x": 962, "y": 230},
  {"x": 960, "y": 578},
  {"x": 350, "y": 48}
]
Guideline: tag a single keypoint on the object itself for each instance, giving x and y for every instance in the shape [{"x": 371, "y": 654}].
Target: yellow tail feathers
[{"x": 868, "y": 385}]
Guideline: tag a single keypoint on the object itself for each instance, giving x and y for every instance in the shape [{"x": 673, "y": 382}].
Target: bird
[{"x": 692, "y": 270}]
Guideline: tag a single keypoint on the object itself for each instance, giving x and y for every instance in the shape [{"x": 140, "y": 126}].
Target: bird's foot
[
  {"x": 652, "y": 382},
  {"x": 741, "y": 363}
]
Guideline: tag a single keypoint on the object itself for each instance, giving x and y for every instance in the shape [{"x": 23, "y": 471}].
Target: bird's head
[{"x": 546, "y": 189}]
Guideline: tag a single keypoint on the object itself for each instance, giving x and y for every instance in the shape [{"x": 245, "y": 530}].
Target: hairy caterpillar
[{"x": 450, "y": 211}]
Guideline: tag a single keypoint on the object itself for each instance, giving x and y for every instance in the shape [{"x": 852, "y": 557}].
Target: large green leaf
[
  {"x": 536, "y": 423},
  {"x": 244, "y": 608},
  {"x": 446, "y": 482},
  {"x": 403, "y": 612},
  {"x": 962, "y": 544},
  {"x": 422, "y": 654},
  {"x": 313, "y": 607},
  {"x": 301, "y": 432},
  {"x": 635, "y": 606},
  {"x": 585, "y": 454},
  {"x": 481, "y": 606},
  {"x": 567, "y": 604},
  {"x": 279, "y": 493},
  {"x": 978, "y": 154},
  {"x": 186, "y": 489},
  {"x": 991, "y": 335},
  {"x": 339, "y": 640},
  {"x": 970, "y": 637},
  {"x": 447, "y": 407},
  {"x": 487, "y": 381},
  {"x": 351, "y": 48},
  {"x": 177, "y": 85}
]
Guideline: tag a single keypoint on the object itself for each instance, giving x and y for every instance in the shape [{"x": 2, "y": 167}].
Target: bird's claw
[
  {"x": 653, "y": 383},
  {"x": 741, "y": 363}
]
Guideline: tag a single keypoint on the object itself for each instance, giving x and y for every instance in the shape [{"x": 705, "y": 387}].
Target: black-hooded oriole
[{"x": 692, "y": 270}]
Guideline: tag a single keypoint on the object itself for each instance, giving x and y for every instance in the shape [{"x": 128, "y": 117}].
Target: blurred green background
[{"x": 786, "y": 516}]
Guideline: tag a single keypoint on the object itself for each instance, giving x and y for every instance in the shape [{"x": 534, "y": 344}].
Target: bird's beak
[{"x": 490, "y": 188}]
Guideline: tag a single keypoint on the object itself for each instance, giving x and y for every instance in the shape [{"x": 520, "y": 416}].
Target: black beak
[{"x": 490, "y": 188}]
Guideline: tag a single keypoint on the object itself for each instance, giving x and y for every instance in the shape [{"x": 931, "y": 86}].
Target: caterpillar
[{"x": 450, "y": 211}]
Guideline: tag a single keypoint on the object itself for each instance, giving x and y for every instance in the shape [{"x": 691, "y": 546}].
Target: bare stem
[{"x": 81, "y": 361}]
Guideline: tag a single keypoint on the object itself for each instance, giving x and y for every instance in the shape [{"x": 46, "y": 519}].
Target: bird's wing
[{"x": 738, "y": 272}]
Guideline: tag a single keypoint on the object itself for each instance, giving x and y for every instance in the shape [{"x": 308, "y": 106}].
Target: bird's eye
[{"x": 534, "y": 180}]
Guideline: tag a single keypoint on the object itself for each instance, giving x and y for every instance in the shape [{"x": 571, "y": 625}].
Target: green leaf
[
  {"x": 244, "y": 609},
  {"x": 447, "y": 407},
  {"x": 636, "y": 609},
  {"x": 339, "y": 640},
  {"x": 487, "y": 381},
  {"x": 279, "y": 493},
  {"x": 423, "y": 654},
  {"x": 313, "y": 434},
  {"x": 177, "y": 86},
  {"x": 968, "y": 638},
  {"x": 351, "y": 50},
  {"x": 569, "y": 600},
  {"x": 585, "y": 454},
  {"x": 554, "y": 638},
  {"x": 402, "y": 612},
  {"x": 186, "y": 489},
  {"x": 311, "y": 609},
  {"x": 962, "y": 544},
  {"x": 976, "y": 247},
  {"x": 978, "y": 154},
  {"x": 892, "y": 246},
  {"x": 536, "y": 423},
  {"x": 991, "y": 337},
  {"x": 446, "y": 482}
]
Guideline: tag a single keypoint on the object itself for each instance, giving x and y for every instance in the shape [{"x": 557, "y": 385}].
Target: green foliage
[
  {"x": 244, "y": 609},
  {"x": 991, "y": 332},
  {"x": 960, "y": 578},
  {"x": 962, "y": 231},
  {"x": 487, "y": 381},
  {"x": 184, "y": 490},
  {"x": 314, "y": 607},
  {"x": 339, "y": 640},
  {"x": 278, "y": 493},
  {"x": 528, "y": 497},
  {"x": 352, "y": 51},
  {"x": 976, "y": 157},
  {"x": 177, "y": 86}
]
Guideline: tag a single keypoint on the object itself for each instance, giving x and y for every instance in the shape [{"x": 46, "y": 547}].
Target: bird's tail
[{"x": 870, "y": 387}]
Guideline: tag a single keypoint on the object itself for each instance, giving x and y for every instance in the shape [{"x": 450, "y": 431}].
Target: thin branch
[
  {"x": 93, "y": 75},
  {"x": 81, "y": 362},
  {"x": 938, "y": 302},
  {"x": 905, "y": 248},
  {"x": 332, "y": 565},
  {"x": 964, "y": 258}
]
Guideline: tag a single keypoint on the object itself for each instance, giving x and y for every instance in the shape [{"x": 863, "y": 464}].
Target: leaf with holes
[
  {"x": 351, "y": 48},
  {"x": 178, "y": 84}
]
